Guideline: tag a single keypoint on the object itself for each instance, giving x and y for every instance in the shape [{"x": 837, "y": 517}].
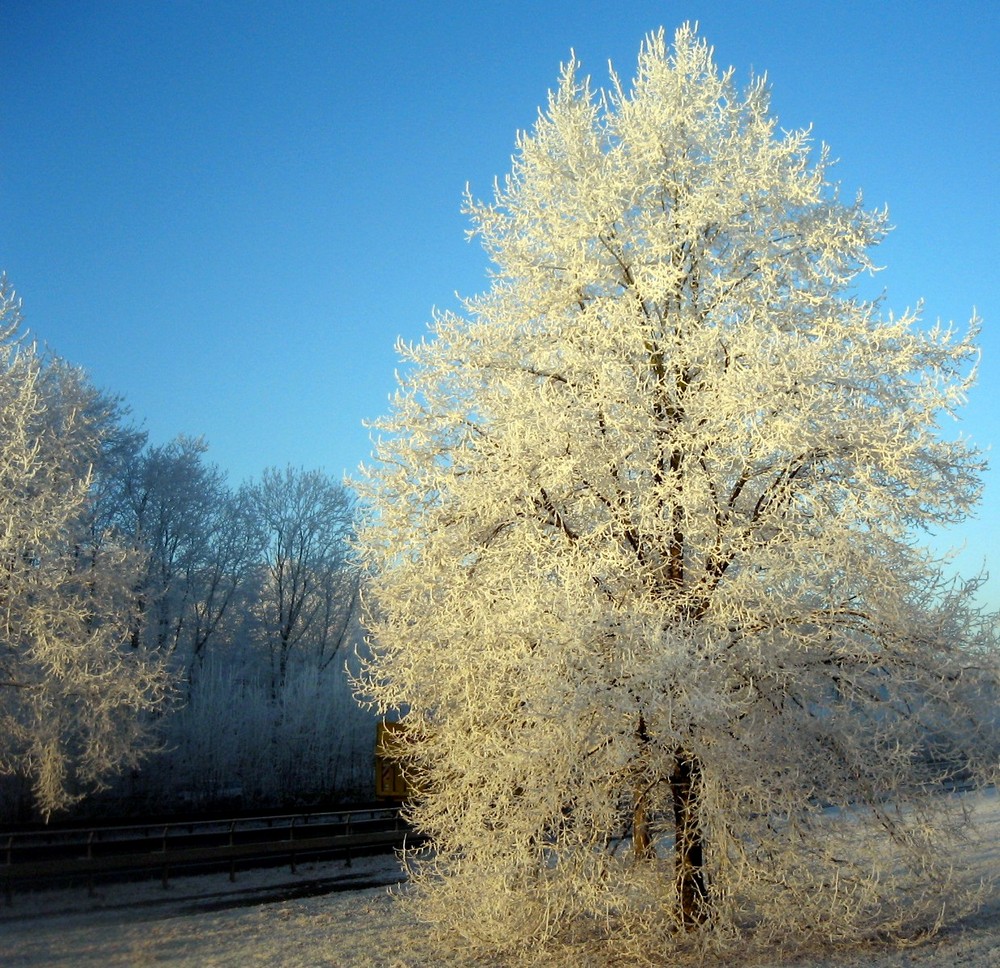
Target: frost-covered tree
[
  {"x": 72, "y": 689},
  {"x": 646, "y": 580}
]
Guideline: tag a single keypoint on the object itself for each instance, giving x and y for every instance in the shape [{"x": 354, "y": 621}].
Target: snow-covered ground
[{"x": 206, "y": 921}]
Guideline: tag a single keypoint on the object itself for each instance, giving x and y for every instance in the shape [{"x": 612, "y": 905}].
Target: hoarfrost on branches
[
  {"x": 72, "y": 690},
  {"x": 646, "y": 582}
]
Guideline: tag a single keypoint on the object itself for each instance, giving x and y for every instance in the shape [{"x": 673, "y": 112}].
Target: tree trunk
[
  {"x": 642, "y": 845},
  {"x": 689, "y": 852}
]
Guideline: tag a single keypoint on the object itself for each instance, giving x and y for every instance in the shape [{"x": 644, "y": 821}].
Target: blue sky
[{"x": 228, "y": 211}]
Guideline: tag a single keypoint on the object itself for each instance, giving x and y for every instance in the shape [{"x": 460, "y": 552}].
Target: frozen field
[{"x": 205, "y": 921}]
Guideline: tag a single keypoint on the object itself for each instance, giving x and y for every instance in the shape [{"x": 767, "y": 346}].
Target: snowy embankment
[{"x": 205, "y": 921}]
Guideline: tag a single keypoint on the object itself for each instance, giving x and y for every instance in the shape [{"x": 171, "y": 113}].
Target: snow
[{"x": 206, "y": 921}]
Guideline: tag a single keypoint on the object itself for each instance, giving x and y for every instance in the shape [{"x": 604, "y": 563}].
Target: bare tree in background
[
  {"x": 202, "y": 544},
  {"x": 308, "y": 590}
]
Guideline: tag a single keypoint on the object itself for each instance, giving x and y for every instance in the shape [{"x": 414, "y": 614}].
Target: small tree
[
  {"x": 641, "y": 545},
  {"x": 72, "y": 691}
]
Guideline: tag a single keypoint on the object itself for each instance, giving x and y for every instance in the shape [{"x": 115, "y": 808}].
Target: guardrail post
[
  {"x": 347, "y": 849},
  {"x": 291, "y": 840},
  {"x": 166, "y": 867},
  {"x": 232, "y": 859},
  {"x": 8, "y": 892},
  {"x": 90, "y": 856}
]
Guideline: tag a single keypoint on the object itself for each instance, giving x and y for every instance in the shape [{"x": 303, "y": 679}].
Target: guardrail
[{"x": 114, "y": 852}]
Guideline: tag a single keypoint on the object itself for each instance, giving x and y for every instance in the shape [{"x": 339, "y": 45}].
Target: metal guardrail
[{"x": 109, "y": 852}]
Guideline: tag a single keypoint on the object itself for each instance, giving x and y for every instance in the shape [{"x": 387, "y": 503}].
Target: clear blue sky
[{"x": 228, "y": 211}]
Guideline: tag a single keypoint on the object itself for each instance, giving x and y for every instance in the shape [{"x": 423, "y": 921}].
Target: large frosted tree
[{"x": 646, "y": 580}]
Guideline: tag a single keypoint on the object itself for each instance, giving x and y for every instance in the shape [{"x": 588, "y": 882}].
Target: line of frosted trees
[{"x": 149, "y": 607}]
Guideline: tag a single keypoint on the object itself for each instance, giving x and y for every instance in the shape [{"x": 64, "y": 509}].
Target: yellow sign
[{"x": 389, "y": 780}]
